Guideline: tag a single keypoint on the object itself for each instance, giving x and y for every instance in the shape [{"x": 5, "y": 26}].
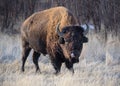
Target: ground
[{"x": 99, "y": 65}]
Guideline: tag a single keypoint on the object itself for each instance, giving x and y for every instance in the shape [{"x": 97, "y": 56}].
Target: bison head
[{"x": 71, "y": 40}]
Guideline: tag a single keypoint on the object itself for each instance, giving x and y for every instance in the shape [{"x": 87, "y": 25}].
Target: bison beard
[{"x": 38, "y": 32}]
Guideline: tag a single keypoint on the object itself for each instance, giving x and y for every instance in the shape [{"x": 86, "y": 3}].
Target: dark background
[{"x": 104, "y": 14}]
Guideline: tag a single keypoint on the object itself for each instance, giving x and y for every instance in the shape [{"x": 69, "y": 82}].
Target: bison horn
[
  {"x": 86, "y": 28},
  {"x": 58, "y": 31}
]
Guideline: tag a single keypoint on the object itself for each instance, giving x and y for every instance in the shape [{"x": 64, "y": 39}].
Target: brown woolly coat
[{"x": 39, "y": 30}]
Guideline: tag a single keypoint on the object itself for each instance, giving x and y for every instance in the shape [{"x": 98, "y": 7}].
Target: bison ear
[
  {"x": 84, "y": 39},
  {"x": 61, "y": 40}
]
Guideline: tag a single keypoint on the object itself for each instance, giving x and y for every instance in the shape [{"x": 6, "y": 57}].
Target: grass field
[{"x": 99, "y": 65}]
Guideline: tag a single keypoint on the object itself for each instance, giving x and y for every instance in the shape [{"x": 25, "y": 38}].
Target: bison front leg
[
  {"x": 69, "y": 65},
  {"x": 57, "y": 65},
  {"x": 35, "y": 60}
]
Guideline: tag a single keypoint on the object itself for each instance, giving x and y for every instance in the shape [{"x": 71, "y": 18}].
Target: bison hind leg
[
  {"x": 35, "y": 60},
  {"x": 25, "y": 52}
]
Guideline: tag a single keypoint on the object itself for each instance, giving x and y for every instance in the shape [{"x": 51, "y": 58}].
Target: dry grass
[{"x": 98, "y": 66}]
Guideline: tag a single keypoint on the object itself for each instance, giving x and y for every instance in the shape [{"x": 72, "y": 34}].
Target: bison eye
[{"x": 61, "y": 40}]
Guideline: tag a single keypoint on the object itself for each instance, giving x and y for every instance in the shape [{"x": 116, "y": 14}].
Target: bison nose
[{"x": 74, "y": 58}]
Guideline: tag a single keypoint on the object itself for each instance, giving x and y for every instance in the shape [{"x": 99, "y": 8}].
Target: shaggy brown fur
[{"x": 38, "y": 32}]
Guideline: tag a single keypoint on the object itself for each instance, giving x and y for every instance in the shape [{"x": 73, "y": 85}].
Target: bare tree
[{"x": 100, "y": 12}]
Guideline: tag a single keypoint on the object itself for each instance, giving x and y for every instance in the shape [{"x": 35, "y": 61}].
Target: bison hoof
[
  {"x": 22, "y": 70},
  {"x": 38, "y": 71},
  {"x": 57, "y": 72},
  {"x": 72, "y": 70}
]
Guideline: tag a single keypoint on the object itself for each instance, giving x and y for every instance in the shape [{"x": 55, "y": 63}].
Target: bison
[{"x": 55, "y": 32}]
